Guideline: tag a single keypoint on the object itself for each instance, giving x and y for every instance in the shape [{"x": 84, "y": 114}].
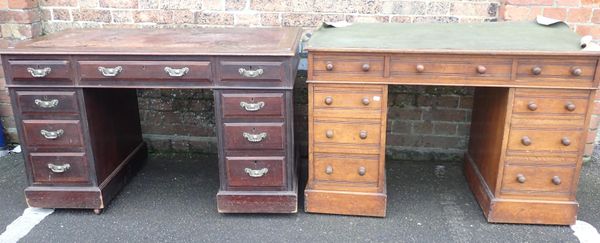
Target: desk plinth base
[
  {"x": 519, "y": 211},
  {"x": 345, "y": 203},
  {"x": 257, "y": 202},
  {"x": 88, "y": 197}
]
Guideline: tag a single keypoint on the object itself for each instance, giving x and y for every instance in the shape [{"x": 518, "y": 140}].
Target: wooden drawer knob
[
  {"x": 570, "y": 106},
  {"x": 521, "y": 178},
  {"x": 329, "y": 133},
  {"x": 329, "y": 170},
  {"x": 363, "y": 134},
  {"x": 481, "y": 69},
  {"x": 536, "y": 70},
  {"x": 532, "y": 106},
  {"x": 328, "y": 100},
  {"x": 365, "y": 101},
  {"x": 366, "y": 67},
  {"x": 329, "y": 66},
  {"x": 526, "y": 141},
  {"x": 576, "y": 71},
  {"x": 556, "y": 180},
  {"x": 362, "y": 171},
  {"x": 565, "y": 141},
  {"x": 420, "y": 68}
]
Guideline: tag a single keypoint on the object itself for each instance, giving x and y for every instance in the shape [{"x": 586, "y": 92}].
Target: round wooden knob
[
  {"x": 576, "y": 71},
  {"x": 536, "y": 70},
  {"x": 570, "y": 106},
  {"x": 329, "y": 66},
  {"x": 362, "y": 134},
  {"x": 526, "y": 141},
  {"x": 362, "y": 171},
  {"x": 521, "y": 178},
  {"x": 481, "y": 69},
  {"x": 556, "y": 180},
  {"x": 329, "y": 133},
  {"x": 532, "y": 106},
  {"x": 328, "y": 100},
  {"x": 366, "y": 67},
  {"x": 420, "y": 68},
  {"x": 565, "y": 141},
  {"x": 365, "y": 101},
  {"x": 329, "y": 170}
]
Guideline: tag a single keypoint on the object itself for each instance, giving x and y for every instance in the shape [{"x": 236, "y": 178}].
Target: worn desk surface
[
  {"x": 476, "y": 37},
  {"x": 192, "y": 41}
]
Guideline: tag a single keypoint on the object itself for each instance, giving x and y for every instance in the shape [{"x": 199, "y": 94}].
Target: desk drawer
[
  {"x": 347, "y": 132},
  {"x": 140, "y": 71},
  {"x": 528, "y": 180},
  {"x": 345, "y": 168},
  {"x": 539, "y": 101},
  {"x": 53, "y": 133},
  {"x": 59, "y": 168},
  {"x": 573, "y": 70},
  {"x": 435, "y": 67},
  {"x": 40, "y": 72},
  {"x": 354, "y": 66},
  {"x": 272, "y": 71},
  {"x": 254, "y": 136},
  {"x": 544, "y": 140},
  {"x": 255, "y": 171},
  {"x": 348, "y": 101},
  {"x": 47, "y": 102},
  {"x": 249, "y": 104}
]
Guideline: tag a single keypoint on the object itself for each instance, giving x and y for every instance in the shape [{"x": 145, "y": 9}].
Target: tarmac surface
[{"x": 173, "y": 199}]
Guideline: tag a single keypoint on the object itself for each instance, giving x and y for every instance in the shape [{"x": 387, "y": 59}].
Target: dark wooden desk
[
  {"x": 532, "y": 106},
  {"x": 75, "y": 104}
]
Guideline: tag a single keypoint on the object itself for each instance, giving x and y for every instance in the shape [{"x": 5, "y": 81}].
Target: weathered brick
[
  {"x": 470, "y": 9},
  {"x": 400, "y": 127},
  {"x": 3, "y": 4},
  {"x": 401, "y": 19},
  {"x": 214, "y": 18},
  {"x": 422, "y": 127},
  {"x": 122, "y": 16},
  {"x": 180, "y": 4},
  {"x": 183, "y": 17},
  {"x": 530, "y": 2},
  {"x": 516, "y": 13},
  {"x": 61, "y": 14},
  {"x": 58, "y": 3},
  {"x": 596, "y": 16},
  {"x": 213, "y": 5},
  {"x": 46, "y": 14},
  {"x": 247, "y": 19},
  {"x": 454, "y": 115},
  {"x": 92, "y": 15},
  {"x": 435, "y": 19},
  {"x": 333, "y": 17},
  {"x": 405, "y": 113},
  {"x": 149, "y": 4},
  {"x": 22, "y": 4},
  {"x": 405, "y": 7},
  {"x": 556, "y": 13},
  {"x": 19, "y": 16},
  {"x": 367, "y": 18},
  {"x": 404, "y": 140},
  {"x": 235, "y": 5},
  {"x": 440, "y": 128},
  {"x": 593, "y": 30},
  {"x": 579, "y": 15},
  {"x": 590, "y": 3},
  {"x": 91, "y": 3},
  {"x": 304, "y": 19},
  {"x": 153, "y": 16},
  {"x": 20, "y": 31},
  {"x": 118, "y": 3},
  {"x": 271, "y": 5},
  {"x": 270, "y": 19},
  {"x": 568, "y": 3},
  {"x": 438, "y": 8}
]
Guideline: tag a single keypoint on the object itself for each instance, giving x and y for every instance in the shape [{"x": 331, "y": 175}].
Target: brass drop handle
[
  {"x": 570, "y": 106},
  {"x": 329, "y": 133},
  {"x": 328, "y": 100},
  {"x": 536, "y": 70},
  {"x": 365, "y": 101},
  {"x": 52, "y": 135},
  {"x": 39, "y": 73},
  {"x": 366, "y": 67},
  {"x": 532, "y": 106},
  {"x": 362, "y": 134},
  {"x": 110, "y": 72},
  {"x": 251, "y": 73},
  {"x": 177, "y": 72},
  {"x": 526, "y": 141},
  {"x": 329, "y": 170},
  {"x": 252, "y": 106},
  {"x": 576, "y": 71},
  {"x": 256, "y": 173},
  {"x": 565, "y": 141},
  {"x": 362, "y": 171},
  {"x": 420, "y": 68},
  {"x": 254, "y": 138},
  {"x": 59, "y": 168},
  {"x": 329, "y": 66},
  {"x": 481, "y": 69},
  {"x": 47, "y": 104},
  {"x": 556, "y": 180},
  {"x": 521, "y": 178}
]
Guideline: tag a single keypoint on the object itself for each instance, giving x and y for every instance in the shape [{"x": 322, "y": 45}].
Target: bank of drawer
[
  {"x": 42, "y": 72},
  {"x": 576, "y": 71},
  {"x": 252, "y": 105},
  {"x": 347, "y": 132},
  {"x": 544, "y": 140},
  {"x": 537, "y": 179},
  {"x": 59, "y": 168},
  {"x": 557, "y": 102},
  {"x": 346, "y": 168},
  {"x": 434, "y": 67},
  {"x": 270, "y": 71},
  {"x": 254, "y": 136},
  {"x": 53, "y": 133},
  {"x": 255, "y": 171},
  {"x": 145, "y": 71},
  {"x": 354, "y": 66},
  {"x": 348, "y": 101},
  {"x": 31, "y": 102}
]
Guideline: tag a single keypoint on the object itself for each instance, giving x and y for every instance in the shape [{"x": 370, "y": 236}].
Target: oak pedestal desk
[
  {"x": 532, "y": 104},
  {"x": 75, "y": 104}
]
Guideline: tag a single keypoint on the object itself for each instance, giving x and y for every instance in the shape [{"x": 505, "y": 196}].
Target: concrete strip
[{"x": 22, "y": 225}]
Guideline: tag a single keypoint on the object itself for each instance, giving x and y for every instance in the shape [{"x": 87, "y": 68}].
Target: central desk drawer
[
  {"x": 59, "y": 168},
  {"x": 243, "y": 105},
  {"x": 254, "y": 136},
  {"x": 272, "y": 71},
  {"x": 47, "y": 102},
  {"x": 434, "y": 67},
  {"x": 256, "y": 171},
  {"x": 53, "y": 133},
  {"x": 139, "y": 71}
]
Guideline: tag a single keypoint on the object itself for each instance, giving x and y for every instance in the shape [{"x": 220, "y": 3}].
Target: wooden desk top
[
  {"x": 193, "y": 41},
  {"x": 500, "y": 37}
]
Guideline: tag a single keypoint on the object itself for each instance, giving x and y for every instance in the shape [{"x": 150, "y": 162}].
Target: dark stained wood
[
  {"x": 274, "y": 136},
  {"x": 32, "y": 102},
  {"x": 71, "y": 136},
  {"x": 264, "y": 202},
  {"x": 77, "y": 173},
  {"x": 248, "y": 105},
  {"x": 64, "y": 197},
  {"x": 59, "y": 72},
  {"x": 237, "y": 175}
]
